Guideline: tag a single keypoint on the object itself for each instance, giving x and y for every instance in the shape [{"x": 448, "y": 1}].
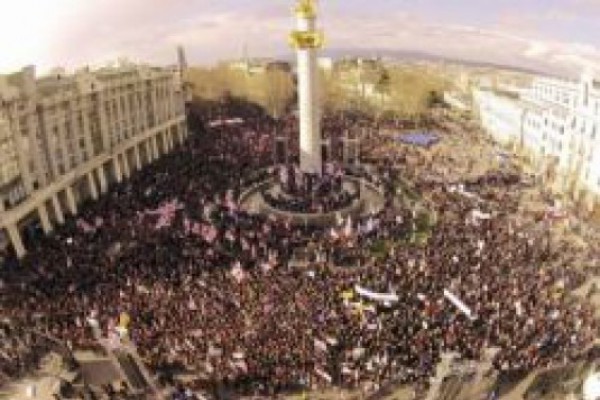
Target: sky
[{"x": 555, "y": 36}]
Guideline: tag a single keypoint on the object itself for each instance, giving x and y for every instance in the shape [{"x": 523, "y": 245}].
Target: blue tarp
[{"x": 422, "y": 138}]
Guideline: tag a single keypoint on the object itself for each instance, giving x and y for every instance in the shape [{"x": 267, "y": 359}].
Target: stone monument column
[{"x": 306, "y": 40}]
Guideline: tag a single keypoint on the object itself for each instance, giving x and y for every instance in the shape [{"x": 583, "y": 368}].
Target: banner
[
  {"x": 479, "y": 215},
  {"x": 225, "y": 122},
  {"x": 322, "y": 374},
  {"x": 124, "y": 320},
  {"x": 346, "y": 370},
  {"x": 460, "y": 189},
  {"x": 459, "y": 304},
  {"x": 214, "y": 351},
  {"x": 372, "y": 327},
  {"x": 382, "y": 297},
  {"x": 166, "y": 213},
  {"x": 347, "y": 295}
]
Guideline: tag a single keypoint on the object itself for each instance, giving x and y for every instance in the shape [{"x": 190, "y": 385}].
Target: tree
[
  {"x": 411, "y": 92},
  {"x": 334, "y": 97},
  {"x": 278, "y": 92},
  {"x": 370, "y": 88},
  {"x": 272, "y": 89},
  {"x": 382, "y": 87},
  {"x": 208, "y": 83}
]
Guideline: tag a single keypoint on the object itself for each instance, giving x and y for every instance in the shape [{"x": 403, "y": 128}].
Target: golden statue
[
  {"x": 307, "y": 8},
  {"x": 310, "y": 39}
]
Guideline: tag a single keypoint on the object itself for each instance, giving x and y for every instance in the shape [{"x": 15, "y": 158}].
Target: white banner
[
  {"x": 221, "y": 122},
  {"x": 459, "y": 304},
  {"x": 323, "y": 374},
  {"x": 460, "y": 189},
  {"x": 479, "y": 215},
  {"x": 382, "y": 297}
]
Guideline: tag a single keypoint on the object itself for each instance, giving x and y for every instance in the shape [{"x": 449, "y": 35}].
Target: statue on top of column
[{"x": 307, "y": 8}]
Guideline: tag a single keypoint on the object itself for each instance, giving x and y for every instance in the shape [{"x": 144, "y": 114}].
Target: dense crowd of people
[
  {"x": 209, "y": 288},
  {"x": 300, "y": 192},
  {"x": 20, "y": 351}
]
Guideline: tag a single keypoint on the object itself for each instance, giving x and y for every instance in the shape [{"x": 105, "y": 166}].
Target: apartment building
[
  {"x": 556, "y": 123},
  {"x": 501, "y": 115},
  {"x": 65, "y": 137}
]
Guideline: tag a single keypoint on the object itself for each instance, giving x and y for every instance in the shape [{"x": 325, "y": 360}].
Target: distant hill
[{"x": 409, "y": 55}]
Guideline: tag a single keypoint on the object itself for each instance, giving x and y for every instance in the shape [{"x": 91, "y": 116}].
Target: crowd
[
  {"x": 300, "y": 192},
  {"x": 20, "y": 351},
  {"x": 209, "y": 289}
]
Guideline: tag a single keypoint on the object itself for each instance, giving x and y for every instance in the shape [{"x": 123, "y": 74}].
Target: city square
[{"x": 174, "y": 235}]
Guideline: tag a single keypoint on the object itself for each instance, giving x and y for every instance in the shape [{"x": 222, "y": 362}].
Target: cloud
[
  {"x": 589, "y": 8},
  {"x": 471, "y": 43},
  {"x": 536, "y": 49},
  {"x": 73, "y": 33}
]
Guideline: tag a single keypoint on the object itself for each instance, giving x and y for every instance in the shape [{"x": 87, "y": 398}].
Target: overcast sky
[{"x": 554, "y": 35}]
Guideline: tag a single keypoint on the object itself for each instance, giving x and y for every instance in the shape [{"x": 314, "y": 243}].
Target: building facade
[
  {"x": 556, "y": 123},
  {"x": 65, "y": 138},
  {"x": 458, "y": 101},
  {"x": 500, "y": 115}
]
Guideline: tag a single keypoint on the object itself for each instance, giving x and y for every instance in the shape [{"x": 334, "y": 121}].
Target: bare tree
[
  {"x": 404, "y": 92},
  {"x": 278, "y": 91}
]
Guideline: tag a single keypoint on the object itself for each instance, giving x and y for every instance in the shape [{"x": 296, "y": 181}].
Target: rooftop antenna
[
  {"x": 181, "y": 58},
  {"x": 246, "y": 57}
]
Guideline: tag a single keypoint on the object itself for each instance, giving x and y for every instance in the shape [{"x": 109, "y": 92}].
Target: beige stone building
[
  {"x": 65, "y": 137},
  {"x": 556, "y": 124}
]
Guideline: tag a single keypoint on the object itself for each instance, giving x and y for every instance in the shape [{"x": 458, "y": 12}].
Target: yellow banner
[
  {"x": 347, "y": 295},
  {"x": 124, "y": 320}
]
